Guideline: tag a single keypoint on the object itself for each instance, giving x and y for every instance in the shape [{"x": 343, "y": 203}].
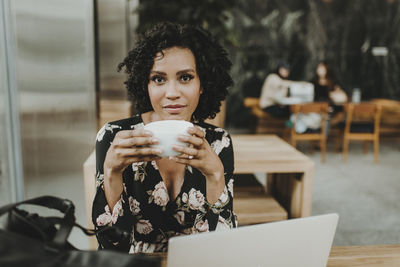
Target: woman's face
[
  {"x": 284, "y": 72},
  {"x": 174, "y": 85},
  {"x": 321, "y": 70}
]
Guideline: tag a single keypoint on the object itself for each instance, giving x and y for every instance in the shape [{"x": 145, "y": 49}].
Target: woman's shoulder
[
  {"x": 217, "y": 137},
  {"x": 213, "y": 133},
  {"x": 211, "y": 129},
  {"x": 134, "y": 122},
  {"x": 273, "y": 77}
]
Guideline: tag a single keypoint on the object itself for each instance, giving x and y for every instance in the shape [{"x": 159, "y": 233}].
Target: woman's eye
[
  {"x": 186, "y": 77},
  {"x": 157, "y": 79}
]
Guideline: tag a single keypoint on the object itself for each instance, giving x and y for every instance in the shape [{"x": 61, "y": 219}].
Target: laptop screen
[{"x": 296, "y": 242}]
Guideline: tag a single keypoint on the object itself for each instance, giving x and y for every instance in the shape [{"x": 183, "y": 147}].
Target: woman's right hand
[
  {"x": 130, "y": 146},
  {"x": 338, "y": 96}
]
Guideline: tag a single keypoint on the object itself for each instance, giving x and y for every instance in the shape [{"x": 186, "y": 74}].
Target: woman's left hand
[{"x": 199, "y": 154}]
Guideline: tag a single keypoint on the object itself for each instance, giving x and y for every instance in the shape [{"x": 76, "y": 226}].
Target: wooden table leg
[
  {"x": 269, "y": 183},
  {"x": 286, "y": 189},
  {"x": 306, "y": 191},
  {"x": 293, "y": 191}
]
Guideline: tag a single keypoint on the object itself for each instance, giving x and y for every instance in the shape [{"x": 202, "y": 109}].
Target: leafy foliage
[
  {"x": 259, "y": 33},
  {"x": 213, "y": 15}
]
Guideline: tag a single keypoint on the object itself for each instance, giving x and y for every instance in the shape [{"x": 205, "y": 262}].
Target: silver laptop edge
[{"x": 296, "y": 242}]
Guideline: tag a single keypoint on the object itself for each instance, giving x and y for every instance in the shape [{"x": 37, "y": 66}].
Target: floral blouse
[{"x": 145, "y": 209}]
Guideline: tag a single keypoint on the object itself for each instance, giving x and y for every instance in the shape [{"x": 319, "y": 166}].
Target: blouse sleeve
[
  {"x": 266, "y": 95},
  {"x": 220, "y": 214},
  {"x": 102, "y": 216}
]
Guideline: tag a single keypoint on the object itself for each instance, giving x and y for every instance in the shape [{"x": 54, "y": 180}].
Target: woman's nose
[{"x": 172, "y": 91}]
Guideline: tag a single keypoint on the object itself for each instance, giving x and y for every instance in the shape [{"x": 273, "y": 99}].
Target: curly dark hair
[{"x": 212, "y": 64}]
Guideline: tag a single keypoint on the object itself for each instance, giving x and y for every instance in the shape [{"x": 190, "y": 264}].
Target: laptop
[
  {"x": 296, "y": 242},
  {"x": 303, "y": 91}
]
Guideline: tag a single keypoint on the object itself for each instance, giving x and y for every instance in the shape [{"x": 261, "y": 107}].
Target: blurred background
[
  {"x": 58, "y": 78},
  {"x": 259, "y": 33}
]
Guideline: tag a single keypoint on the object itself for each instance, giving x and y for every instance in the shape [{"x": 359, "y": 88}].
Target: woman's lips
[{"x": 174, "y": 109}]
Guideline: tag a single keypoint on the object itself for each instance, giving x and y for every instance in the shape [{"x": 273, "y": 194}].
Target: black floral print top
[{"x": 145, "y": 209}]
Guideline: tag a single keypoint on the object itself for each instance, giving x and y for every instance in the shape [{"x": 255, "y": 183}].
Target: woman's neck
[
  {"x": 150, "y": 116},
  {"x": 323, "y": 81}
]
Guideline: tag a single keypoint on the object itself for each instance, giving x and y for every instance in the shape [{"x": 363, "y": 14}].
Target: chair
[
  {"x": 362, "y": 123},
  {"x": 390, "y": 117},
  {"x": 311, "y": 135}
]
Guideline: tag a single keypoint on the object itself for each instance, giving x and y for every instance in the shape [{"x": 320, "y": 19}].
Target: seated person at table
[
  {"x": 180, "y": 73},
  {"x": 325, "y": 87},
  {"x": 274, "y": 89}
]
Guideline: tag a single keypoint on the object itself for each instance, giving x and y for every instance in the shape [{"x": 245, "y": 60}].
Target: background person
[
  {"x": 174, "y": 72},
  {"x": 326, "y": 89},
  {"x": 325, "y": 86},
  {"x": 274, "y": 89}
]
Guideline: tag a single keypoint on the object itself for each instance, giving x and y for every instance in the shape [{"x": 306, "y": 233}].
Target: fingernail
[
  {"x": 183, "y": 137},
  {"x": 154, "y": 140},
  {"x": 148, "y": 133},
  {"x": 158, "y": 151}
]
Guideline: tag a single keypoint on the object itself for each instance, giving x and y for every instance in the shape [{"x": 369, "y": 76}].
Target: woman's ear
[{"x": 201, "y": 90}]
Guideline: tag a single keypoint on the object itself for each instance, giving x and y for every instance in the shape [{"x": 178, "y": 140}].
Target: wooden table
[
  {"x": 290, "y": 172},
  {"x": 370, "y": 256},
  {"x": 382, "y": 255}
]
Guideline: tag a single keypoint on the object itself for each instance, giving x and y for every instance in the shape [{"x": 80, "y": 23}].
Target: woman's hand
[
  {"x": 199, "y": 153},
  {"x": 338, "y": 96},
  {"x": 130, "y": 146},
  {"x": 201, "y": 156}
]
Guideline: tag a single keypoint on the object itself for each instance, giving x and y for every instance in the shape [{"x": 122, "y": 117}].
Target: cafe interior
[{"x": 60, "y": 85}]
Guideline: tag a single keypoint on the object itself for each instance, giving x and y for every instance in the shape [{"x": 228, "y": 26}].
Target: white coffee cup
[{"x": 167, "y": 132}]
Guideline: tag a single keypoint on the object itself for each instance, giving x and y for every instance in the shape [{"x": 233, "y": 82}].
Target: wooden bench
[
  {"x": 252, "y": 206},
  {"x": 265, "y": 124}
]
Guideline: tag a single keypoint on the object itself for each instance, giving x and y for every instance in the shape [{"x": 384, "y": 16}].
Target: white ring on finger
[{"x": 190, "y": 157}]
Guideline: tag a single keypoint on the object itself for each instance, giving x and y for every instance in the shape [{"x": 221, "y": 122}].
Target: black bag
[{"x": 32, "y": 240}]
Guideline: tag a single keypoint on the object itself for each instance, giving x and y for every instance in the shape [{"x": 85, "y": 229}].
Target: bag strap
[
  {"x": 111, "y": 230},
  {"x": 65, "y": 206},
  {"x": 62, "y": 205}
]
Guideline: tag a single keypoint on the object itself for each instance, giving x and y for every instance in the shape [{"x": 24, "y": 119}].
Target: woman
[
  {"x": 180, "y": 73},
  {"x": 326, "y": 89},
  {"x": 274, "y": 89},
  {"x": 325, "y": 86}
]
